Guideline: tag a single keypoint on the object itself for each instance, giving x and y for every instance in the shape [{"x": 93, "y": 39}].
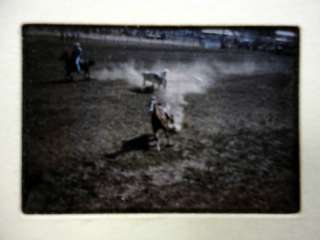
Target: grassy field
[{"x": 85, "y": 143}]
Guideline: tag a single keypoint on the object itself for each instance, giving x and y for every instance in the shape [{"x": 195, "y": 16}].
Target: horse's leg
[
  {"x": 168, "y": 138},
  {"x": 88, "y": 74},
  {"x": 155, "y": 84},
  {"x": 69, "y": 69},
  {"x": 157, "y": 140},
  {"x": 66, "y": 71},
  {"x": 164, "y": 83},
  {"x": 158, "y": 145},
  {"x": 68, "y": 76}
]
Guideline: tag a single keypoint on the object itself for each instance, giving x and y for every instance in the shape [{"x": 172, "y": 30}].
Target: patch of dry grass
[{"x": 86, "y": 148}]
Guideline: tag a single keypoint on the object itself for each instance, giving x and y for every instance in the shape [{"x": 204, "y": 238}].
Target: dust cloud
[
  {"x": 185, "y": 78},
  {"x": 182, "y": 79}
]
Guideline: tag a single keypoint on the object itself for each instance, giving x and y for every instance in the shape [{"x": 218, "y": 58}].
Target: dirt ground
[{"x": 86, "y": 143}]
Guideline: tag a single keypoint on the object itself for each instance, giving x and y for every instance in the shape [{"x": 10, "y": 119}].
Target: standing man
[{"x": 76, "y": 56}]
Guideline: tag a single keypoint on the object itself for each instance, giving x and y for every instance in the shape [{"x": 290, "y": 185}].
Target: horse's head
[
  {"x": 171, "y": 124},
  {"x": 164, "y": 72}
]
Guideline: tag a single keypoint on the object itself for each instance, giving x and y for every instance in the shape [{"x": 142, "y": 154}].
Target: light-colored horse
[{"x": 159, "y": 79}]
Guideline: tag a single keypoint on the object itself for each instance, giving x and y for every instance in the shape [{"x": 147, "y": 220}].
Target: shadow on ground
[
  {"x": 146, "y": 90},
  {"x": 140, "y": 143}
]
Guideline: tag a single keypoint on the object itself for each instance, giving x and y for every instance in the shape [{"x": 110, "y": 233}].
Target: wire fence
[{"x": 118, "y": 40}]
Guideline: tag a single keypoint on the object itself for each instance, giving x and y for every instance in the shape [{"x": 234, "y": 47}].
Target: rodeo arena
[{"x": 160, "y": 119}]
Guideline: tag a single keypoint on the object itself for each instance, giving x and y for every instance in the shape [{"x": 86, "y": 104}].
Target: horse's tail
[{"x": 91, "y": 63}]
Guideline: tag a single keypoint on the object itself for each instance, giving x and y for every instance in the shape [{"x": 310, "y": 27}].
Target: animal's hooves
[{"x": 158, "y": 148}]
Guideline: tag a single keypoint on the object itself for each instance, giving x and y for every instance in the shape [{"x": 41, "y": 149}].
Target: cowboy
[
  {"x": 152, "y": 103},
  {"x": 76, "y": 54}
]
